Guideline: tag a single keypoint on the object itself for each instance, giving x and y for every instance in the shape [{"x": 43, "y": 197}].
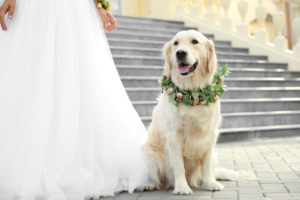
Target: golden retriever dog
[{"x": 181, "y": 141}]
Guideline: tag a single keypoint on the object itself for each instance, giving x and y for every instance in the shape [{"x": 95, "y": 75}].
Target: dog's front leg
[
  {"x": 174, "y": 145},
  {"x": 209, "y": 181}
]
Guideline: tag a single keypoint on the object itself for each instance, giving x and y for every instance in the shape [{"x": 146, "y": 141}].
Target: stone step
[
  {"x": 136, "y": 35},
  {"x": 260, "y": 72},
  {"x": 241, "y": 133},
  {"x": 145, "y": 19},
  {"x": 147, "y": 24},
  {"x": 150, "y": 94},
  {"x": 153, "y": 42},
  {"x": 145, "y": 108},
  {"x": 140, "y": 37},
  {"x": 246, "y": 64},
  {"x": 231, "y": 49},
  {"x": 140, "y": 70},
  {"x": 261, "y": 92},
  {"x": 252, "y": 119},
  {"x": 148, "y": 30},
  {"x": 159, "y": 46},
  {"x": 159, "y": 61},
  {"x": 145, "y": 81},
  {"x": 158, "y": 53},
  {"x": 263, "y": 82}
]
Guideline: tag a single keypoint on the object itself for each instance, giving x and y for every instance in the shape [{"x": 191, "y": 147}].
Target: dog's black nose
[{"x": 181, "y": 54}]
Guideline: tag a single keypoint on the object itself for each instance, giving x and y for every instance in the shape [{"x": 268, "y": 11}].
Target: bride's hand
[
  {"x": 8, "y": 6},
  {"x": 108, "y": 20}
]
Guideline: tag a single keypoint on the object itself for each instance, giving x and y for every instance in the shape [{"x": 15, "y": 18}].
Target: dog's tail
[
  {"x": 223, "y": 174},
  {"x": 226, "y": 174}
]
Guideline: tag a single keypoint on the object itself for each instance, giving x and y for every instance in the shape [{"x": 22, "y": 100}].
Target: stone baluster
[
  {"x": 280, "y": 41},
  {"x": 243, "y": 9},
  {"x": 296, "y": 25},
  {"x": 226, "y": 21},
  {"x": 217, "y": 11},
  {"x": 261, "y": 14},
  {"x": 196, "y": 10},
  {"x": 182, "y": 7},
  {"x": 210, "y": 15}
]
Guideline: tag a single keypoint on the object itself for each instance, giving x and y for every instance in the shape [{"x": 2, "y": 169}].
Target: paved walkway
[{"x": 276, "y": 163}]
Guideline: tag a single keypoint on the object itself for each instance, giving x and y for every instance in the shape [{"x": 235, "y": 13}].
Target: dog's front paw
[
  {"x": 149, "y": 188},
  {"x": 212, "y": 186},
  {"x": 182, "y": 188}
]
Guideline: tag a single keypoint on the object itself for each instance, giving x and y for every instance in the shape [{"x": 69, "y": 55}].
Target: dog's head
[{"x": 190, "y": 60}]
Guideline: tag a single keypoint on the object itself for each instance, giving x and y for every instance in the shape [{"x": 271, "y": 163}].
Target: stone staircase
[{"x": 263, "y": 98}]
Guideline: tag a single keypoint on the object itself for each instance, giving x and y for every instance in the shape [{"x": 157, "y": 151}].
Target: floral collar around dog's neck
[{"x": 209, "y": 94}]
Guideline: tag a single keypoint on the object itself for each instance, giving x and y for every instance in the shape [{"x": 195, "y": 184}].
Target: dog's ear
[
  {"x": 211, "y": 57},
  {"x": 167, "y": 56}
]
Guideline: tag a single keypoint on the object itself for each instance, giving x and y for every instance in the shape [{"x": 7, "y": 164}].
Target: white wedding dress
[{"x": 68, "y": 130}]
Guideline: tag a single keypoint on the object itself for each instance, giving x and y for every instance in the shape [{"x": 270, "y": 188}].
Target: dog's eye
[
  {"x": 175, "y": 43},
  {"x": 195, "y": 41}
]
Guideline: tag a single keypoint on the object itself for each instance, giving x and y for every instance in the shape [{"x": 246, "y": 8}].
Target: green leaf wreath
[{"x": 209, "y": 94}]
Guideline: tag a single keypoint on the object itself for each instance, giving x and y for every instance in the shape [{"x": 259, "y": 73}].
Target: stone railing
[{"x": 205, "y": 14}]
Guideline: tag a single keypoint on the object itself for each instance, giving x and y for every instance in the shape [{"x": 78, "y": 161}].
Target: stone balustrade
[{"x": 214, "y": 16}]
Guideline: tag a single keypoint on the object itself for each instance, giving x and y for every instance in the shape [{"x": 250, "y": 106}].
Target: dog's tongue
[{"x": 184, "y": 68}]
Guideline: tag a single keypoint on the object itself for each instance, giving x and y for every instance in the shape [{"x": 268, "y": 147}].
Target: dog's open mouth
[{"x": 185, "y": 69}]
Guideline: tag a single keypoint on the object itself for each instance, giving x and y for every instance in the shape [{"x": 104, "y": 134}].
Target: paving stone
[
  {"x": 288, "y": 175},
  {"x": 243, "y": 167},
  {"x": 159, "y": 195},
  {"x": 291, "y": 181},
  {"x": 296, "y": 195},
  {"x": 273, "y": 188},
  {"x": 279, "y": 196},
  {"x": 266, "y": 174},
  {"x": 225, "y": 162},
  {"x": 202, "y": 193},
  {"x": 228, "y": 184},
  {"x": 248, "y": 184},
  {"x": 293, "y": 187},
  {"x": 177, "y": 197},
  {"x": 250, "y": 196},
  {"x": 280, "y": 168},
  {"x": 223, "y": 198},
  {"x": 225, "y": 195},
  {"x": 259, "y": 167},
  {"x": 249, "y": 190},
  {"x": 126, "y": 196},
  {"x": 108, "y": 198}
]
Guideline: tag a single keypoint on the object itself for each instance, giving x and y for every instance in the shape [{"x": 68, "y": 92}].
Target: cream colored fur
[{"x": 181, "y": 140}]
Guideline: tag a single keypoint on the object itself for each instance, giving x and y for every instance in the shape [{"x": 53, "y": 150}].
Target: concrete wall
[{"x": 140, "y": 8}]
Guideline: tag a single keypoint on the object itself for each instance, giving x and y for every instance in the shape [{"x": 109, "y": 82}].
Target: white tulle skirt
[{"x": 67, "y": 127}]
